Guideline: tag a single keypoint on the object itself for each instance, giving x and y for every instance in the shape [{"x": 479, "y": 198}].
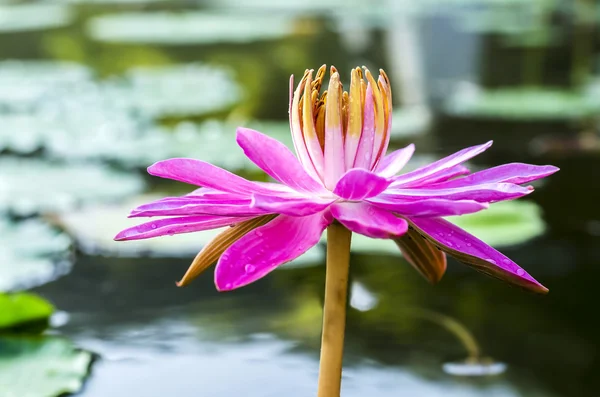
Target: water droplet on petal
[
  {"x": 259, "y": 233},
  {"x": 448, "y": 243},
  {"x": 228, "y": 286},
  {"x": 507, "y": 261},
  {"x": 469, "y": 244},
  {"x": 491, "y": 261},
  {"x": 520, "y": 272},
  {"x": 153, "y": 226},
  {"x": 249, "y": 268}
]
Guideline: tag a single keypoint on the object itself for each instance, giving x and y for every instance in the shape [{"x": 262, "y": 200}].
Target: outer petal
[
  {"x": 491, "y": 192},
  {"x": 474, "y": 252},
  {"x": 429, "y": 261},
  {"x": 334, "y": 155},
  {"x": 201, "y": 173},
  {"x": 457, "y": 170},
  {"x": 517, "y": 173},
  {"x": 358, "y": 184},
  {"x": 391, "y": 164},
  {"x": 293, "y": 206},
  {"x": 170, "y": 226},
  {"x": 440, "y": 166},
  {"x": 263, "y": 249},
  {"x": 276, "y": 160},
  {"x": 180, "y": 206},
  {"x": 428, "y": 207},
  {"x": 368, "y": 220}
]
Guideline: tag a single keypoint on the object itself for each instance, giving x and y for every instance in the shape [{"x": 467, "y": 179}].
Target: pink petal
[
  {"x": 442, "y": 165},
  {"x": 260, "y": 251},
  {"x": 358, "y": 184},
  {"x": 453, "y": 172},
  {"x": 170, "y": 226},
  {"x": 474, "y": 252},
  {"x": 333, "y": 152},
  {"x": 391, "y": 164},
  {"x": 291, "y": 205},
  {"x": 517, "y": 173},
  {"x": 276, "y": 160},
  {"x": 315, "y": 170},
  {"x": 367, "y": 137},
  {"x": 368, "y": 220},
  {"x": 179, "y": 206},
  {"x": 491, "y": 192},
  {"x": 201, "y": 173},
  {"x": 428, "y": 207}
]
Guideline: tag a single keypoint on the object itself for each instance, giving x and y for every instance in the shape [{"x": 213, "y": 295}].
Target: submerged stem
[{"x": 334, "y": 311}]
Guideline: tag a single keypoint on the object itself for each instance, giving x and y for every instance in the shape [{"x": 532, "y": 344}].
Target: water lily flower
[{"x": 340, "y": 173}]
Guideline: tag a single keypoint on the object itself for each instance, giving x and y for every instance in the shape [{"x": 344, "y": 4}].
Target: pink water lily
[{"x": 340, "y": 174}]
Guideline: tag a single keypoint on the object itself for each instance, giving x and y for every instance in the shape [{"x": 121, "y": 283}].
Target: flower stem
[{"x": 334, "y": 311}]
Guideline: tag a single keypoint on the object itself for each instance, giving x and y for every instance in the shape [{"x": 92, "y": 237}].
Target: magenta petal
[
  {"x": 440, "y": 166},
  {"x": 180, "y": 206},
  {"x": 368, "y": 220},
  {"x": 452, "y": 172},
  {"x": 201, "y": 173},
  {"x": 517, "y": 173},
  {"x": 428, "y": 207},
  {"x": 491, "y": 192},
  {"x": 276, "y": 160},
  {"x": 170, "y": 226},
  {"x": 391, "y": 164},
  {"x": 291, "y": 205},
  {"x": 260, "y": 251},
  {"x": 474, "y": 252},
  {"x": 358, "y": 184}
]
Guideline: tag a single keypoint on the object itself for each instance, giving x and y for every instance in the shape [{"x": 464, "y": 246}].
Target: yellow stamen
[
  {"x": 308, "y": 120},
  {"x": 333, "y": 108},
  {"x": 356, "y": 102}
]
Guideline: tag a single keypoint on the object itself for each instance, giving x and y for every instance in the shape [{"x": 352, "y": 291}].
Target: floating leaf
[
  {"x": 26, "y": 17},
  {"x": 31, "y": 253},
  {"x": 32, "y": 186},
  {"x": 22, "y": 308},
  {"x": 505, "y": 223},
  {"x": 41, "y": 366},
  {"x": 181, "y": 90},
  {"x": 93, "y": 230},
  {"x": 189, "y": 27},
  {"x": 523, "y": 103},
  {"x": 27, "y": 84}
]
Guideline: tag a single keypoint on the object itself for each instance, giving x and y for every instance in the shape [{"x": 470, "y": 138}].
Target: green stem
[{"x": 334, "y": 311}]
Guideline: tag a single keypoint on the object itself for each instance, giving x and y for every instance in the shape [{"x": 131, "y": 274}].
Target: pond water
[{"x": 91, "y": 92}]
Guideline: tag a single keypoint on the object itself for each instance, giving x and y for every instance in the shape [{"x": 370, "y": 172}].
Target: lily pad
[
  {"x": 182, "y": 90},
  {"x": 41, "y": 366},
  {"x": 191, "y": 27},
  {"x": 27, "y": 17},
  {"x": 503, "y": 224},
  {"x": 25, "y": 85},
  {"x": 32, "y": 254},
  {"x": 30, "y": 187},
  {"x": 93, "y": 230},
  {"x": 523, "y": 103},
  {"x": 22, "y": 308}
]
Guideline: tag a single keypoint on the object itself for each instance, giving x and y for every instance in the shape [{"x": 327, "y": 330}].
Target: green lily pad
[
  {"x": 503, "y": 224},
  {"x": 191, "y": 27},
  {"x": 29, "y": 84},
  {"x": 41, "y": 367},
  {"x": 93, "y": 229},
  {"x": 32, "y": 254},
  {"x": 27, "y": 17},
  {"x": 33, "y": 186},
  {"x": 523, "y": 103},
  {"x": 181, "y": 90},
  {"x": 410, "y": 122},
  {"x": 22, "y": 308}
]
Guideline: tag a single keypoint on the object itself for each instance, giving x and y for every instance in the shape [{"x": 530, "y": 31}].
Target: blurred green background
[{"x": 94, "y": 91}]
